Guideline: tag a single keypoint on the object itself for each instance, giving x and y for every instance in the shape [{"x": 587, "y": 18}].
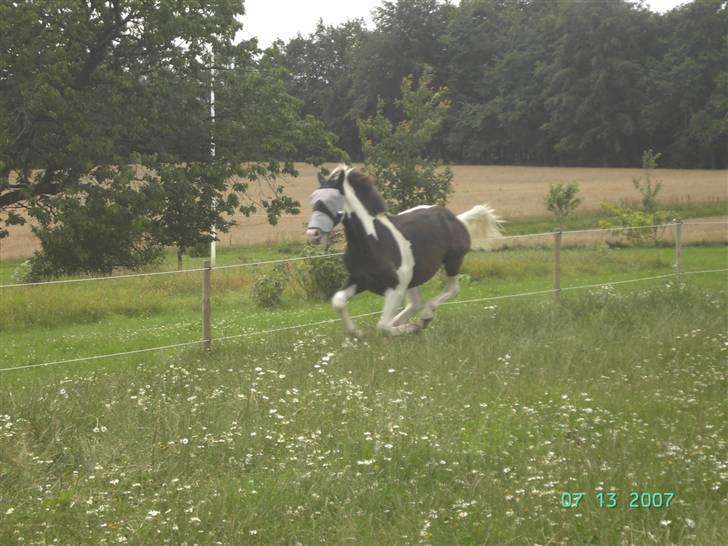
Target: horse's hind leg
[
  {"x": 386, "y": 325},
  {"x": 339, "y": 302},
  {"x": 451, "y": 290},
  {"x": 414, "y": 304}
]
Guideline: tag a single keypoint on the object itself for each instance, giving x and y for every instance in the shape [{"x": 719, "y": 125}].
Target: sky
[{"x": 271, "y": 19}]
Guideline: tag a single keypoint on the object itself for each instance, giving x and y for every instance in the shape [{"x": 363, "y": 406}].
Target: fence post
[
  {"x": 557, "y": 264},
  {"x": 678, "y": 250},
  {"x": 206, "y": 310}
]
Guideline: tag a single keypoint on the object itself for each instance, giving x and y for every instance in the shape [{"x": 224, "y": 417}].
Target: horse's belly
[{"x": 423, "y": 272}]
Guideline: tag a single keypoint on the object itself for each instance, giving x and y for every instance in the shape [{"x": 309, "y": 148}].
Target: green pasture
[
  {"x": 486, "y": 428},
  {"x": 66, "y": 321},
  {"x": 473, "y": 432}
]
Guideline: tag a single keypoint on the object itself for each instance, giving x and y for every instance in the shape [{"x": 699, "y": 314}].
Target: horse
[{"x": 394, "y": 254}]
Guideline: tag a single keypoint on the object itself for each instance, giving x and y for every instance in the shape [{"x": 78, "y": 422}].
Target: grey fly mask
[{"x": 327, "y": 205}]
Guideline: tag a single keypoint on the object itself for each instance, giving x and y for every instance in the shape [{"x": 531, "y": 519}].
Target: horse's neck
[{"x": 356, "y": 231}]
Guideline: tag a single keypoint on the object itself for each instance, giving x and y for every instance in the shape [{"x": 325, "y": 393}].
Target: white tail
[{"x": 484, "y": 226}]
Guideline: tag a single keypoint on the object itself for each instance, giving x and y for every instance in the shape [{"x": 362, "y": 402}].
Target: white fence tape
[{"x": 328, "y": 321}]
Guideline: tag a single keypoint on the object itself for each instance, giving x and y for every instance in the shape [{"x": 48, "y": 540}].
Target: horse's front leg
[
  {"x": 339, "y": 301},
  {"x": 387, "y": 323}
]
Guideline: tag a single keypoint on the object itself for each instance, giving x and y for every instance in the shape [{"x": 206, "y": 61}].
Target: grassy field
[
  {"x": 477, "y": 431},
  {"x": 470, "y": 433},
  {"x": 96, "y": 318}
]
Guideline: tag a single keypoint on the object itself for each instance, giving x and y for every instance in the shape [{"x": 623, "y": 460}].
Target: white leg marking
[
  {"x": 414, "y": 305},
  {"x": 392, "y": 301},
  {"x": 451, "y": 290},
  {"x": 339, "y": 302}
]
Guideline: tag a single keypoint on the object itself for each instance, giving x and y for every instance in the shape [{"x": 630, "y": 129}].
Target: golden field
[{"x": 512, "y": 191}]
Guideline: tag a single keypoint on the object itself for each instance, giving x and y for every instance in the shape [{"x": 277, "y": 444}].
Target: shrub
[
  {"x": 634, "y": 225},
  {"x": 268, "y": 288},
  {"x": 562, "y": 200},
  {"x": 322, "y": 276}
]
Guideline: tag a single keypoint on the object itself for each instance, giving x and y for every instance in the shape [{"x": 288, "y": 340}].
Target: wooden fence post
[
  {"x": 206, "y": 309},
  {"x": 678, "y": 251},
  {"x": 557, "y": 264}
]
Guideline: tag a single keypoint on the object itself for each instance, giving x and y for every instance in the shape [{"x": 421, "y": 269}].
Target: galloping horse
[{"x": 394, "y": 254}]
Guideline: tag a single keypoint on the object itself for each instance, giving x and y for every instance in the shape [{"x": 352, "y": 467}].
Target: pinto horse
[{"x": 392, "y": 255}]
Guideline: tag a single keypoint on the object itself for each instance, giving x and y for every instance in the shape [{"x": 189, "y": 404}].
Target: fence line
[
  {"x": 284, "y": 260},
  {"x": 99, "y": 357},
  {"x": 174, "y": 272},
  {"x": 363, "y": 315}
]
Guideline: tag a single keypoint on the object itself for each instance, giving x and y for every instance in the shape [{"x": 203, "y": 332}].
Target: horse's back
[{"x": 437, "y": 237}]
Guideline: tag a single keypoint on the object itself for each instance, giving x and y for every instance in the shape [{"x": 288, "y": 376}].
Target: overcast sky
[{"x": 271, "y": 19}]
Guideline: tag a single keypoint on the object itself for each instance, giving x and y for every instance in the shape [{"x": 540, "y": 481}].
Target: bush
[
  {"x": 199, "y": 250},
  {"x": 107, "y": 224},
  {"x": 322, "y": 276},
  {"x": 635, "y": 225},
  {"x": 268, "y": 288},
  {"x": 29, "y": 271}
]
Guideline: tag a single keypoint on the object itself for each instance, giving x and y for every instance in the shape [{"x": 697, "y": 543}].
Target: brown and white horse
[{"x": 392, "y": 255}]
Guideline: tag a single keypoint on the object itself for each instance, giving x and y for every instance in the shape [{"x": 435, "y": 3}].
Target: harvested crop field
[{"x": 512, "y": 191}]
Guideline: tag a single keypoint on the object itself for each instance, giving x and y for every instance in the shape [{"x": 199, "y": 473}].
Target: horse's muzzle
[{"x": 314, "y": 235}]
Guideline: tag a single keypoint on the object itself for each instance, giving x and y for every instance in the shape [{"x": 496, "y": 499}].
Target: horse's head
[{"x": 327, "y": 203}]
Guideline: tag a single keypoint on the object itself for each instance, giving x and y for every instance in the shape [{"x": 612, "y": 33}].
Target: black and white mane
[{"x": 392, "y": 255}]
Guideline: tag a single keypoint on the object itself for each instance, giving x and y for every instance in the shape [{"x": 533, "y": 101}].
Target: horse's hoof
[
  {"x": 357, "y": 334},
  {"x": 411, "y": 328},
  {"x": 425, "y": 323}
]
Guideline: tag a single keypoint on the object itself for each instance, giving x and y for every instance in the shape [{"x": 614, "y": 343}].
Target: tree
[
  {"x": 497, "y": 52},
  {"x": 644, "y": 185},
  {"x": 90, "y": 85},
  {"x": 593, "y": 83},
  {"x": 407, "y": 37},
  {"x": 684, "y": 88},
  {"x": 562, "y": 201},
  {"x": 191, "y": 202},
  {"x": 103, "y": 224},
  {"x": 320, "y": 74},
  {"x": 393, "y": 154}
]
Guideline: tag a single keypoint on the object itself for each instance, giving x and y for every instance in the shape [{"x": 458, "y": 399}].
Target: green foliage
[
  {"x": 107, "y": 223},
  {"x": 320, "y": 67},
  {"x": 191, "y": 201},
  {"x": 88, "y": 88},
  {"x": 562, "y": 200},
  {"x": 555, "y": 83},
  {"x": 394, "y": 152},
  {"x": 269, "y": 286},
  {"x": 644, "y": 184},
  {"x": 322, "y": 276},
  {"x": 634, "y": 225},
  {"x": 640, "y": 220}
]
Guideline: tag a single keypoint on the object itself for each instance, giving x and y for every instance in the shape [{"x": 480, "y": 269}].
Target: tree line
[{"x": 561, "y": 82}]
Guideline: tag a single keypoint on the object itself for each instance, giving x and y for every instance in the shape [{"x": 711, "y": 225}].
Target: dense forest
[{"x": 559, "y": 82}]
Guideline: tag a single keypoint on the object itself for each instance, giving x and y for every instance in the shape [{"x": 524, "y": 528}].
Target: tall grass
[
  {"x": 57, "y": 322},
  {"x": 466, "y": 434}
]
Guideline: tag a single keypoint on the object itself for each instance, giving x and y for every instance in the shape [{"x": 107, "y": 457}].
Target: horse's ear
[
  {"x": 339, "y": 183},
  {"x": 321, "y": 179}
]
